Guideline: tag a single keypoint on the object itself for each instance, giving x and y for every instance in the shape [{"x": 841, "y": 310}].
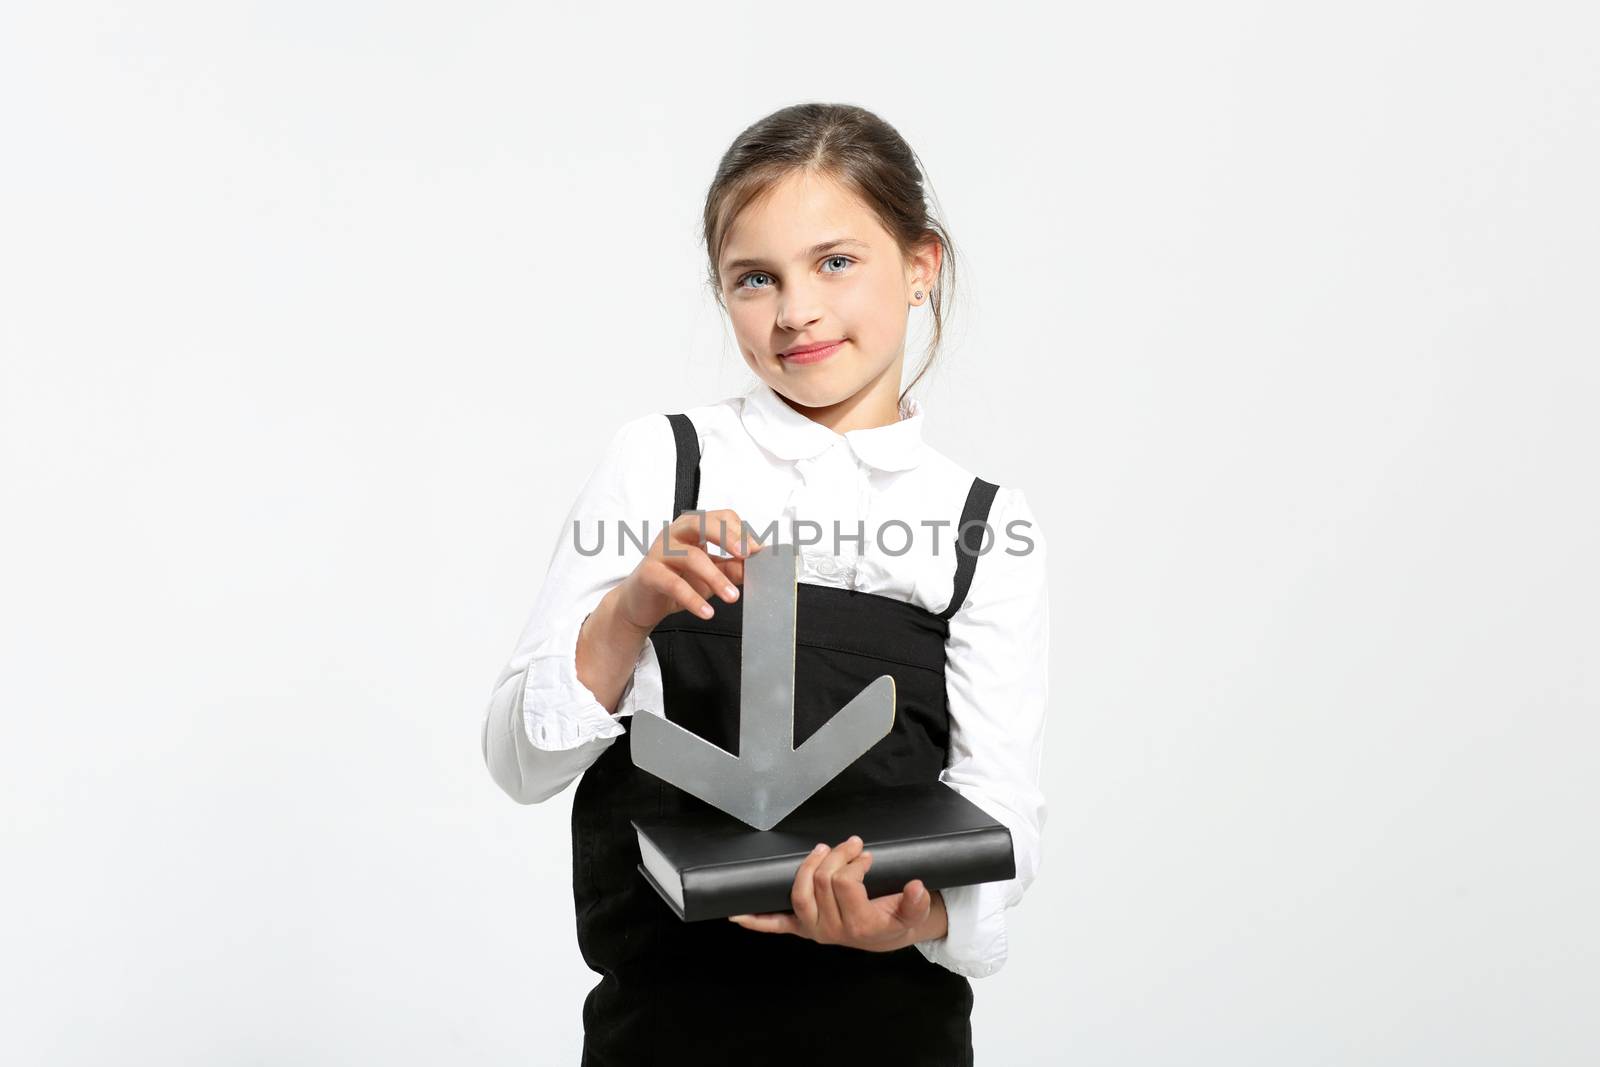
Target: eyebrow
[{"x": 813, "y": 251}]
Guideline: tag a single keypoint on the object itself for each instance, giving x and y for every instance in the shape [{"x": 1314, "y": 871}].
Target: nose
[{"x": 797, "y": 309}]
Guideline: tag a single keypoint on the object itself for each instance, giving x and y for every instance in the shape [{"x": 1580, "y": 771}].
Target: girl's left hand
[{"x": 831, "y": 905}]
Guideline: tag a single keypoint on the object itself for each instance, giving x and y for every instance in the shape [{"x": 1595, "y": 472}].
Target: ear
[{"x": 922, "y": 266}]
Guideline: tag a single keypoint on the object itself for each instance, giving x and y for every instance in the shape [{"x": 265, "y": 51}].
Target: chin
[{"x": 818, "y": 395}]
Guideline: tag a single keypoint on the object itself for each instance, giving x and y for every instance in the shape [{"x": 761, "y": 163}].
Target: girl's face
[{"x": 809, "y": 264}]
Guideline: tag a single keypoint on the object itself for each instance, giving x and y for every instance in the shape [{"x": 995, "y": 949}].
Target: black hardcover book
[{"x": 711, "y": 865}]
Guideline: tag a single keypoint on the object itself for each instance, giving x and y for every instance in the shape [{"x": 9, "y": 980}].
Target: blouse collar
[{"x": 786, "y": 433}]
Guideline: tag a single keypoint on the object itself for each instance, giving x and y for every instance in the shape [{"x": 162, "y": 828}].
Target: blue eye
[{"x": 763, "y": 274}]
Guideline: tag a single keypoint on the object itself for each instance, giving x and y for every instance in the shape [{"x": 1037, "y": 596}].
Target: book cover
[{"x": 711, "y": 865}]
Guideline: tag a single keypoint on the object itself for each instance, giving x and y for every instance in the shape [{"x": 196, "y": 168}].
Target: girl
[{"x": 819, "y": 242}]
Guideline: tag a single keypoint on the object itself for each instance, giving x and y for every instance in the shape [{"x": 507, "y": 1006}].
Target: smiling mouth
[{"x": 812, "y": 353}]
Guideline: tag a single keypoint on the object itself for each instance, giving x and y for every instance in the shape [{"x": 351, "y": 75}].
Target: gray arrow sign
[{"x": 770, "y": 777}]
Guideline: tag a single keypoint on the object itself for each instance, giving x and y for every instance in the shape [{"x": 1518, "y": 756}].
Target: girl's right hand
[{"x": 662, "y": 584}]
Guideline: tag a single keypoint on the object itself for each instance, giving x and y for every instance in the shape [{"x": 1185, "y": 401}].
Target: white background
[{"x": 313, "y": 316}]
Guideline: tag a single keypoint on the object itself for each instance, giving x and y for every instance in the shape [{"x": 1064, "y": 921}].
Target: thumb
[{"x": 915, "y": 903}]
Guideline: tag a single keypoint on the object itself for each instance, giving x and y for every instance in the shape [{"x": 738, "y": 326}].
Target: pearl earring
[{"x": 918, "y": 294}]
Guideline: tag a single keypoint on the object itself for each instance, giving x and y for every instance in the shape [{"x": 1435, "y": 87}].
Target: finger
[
  {"x": 828, "y": 921},
  {"x": 856, "y": 912},
  {"x": 724, "y": 528},
  {"x": 696, "y": 582},
  {"x": 916, "y": 903},
  {"x": 732, "y": 569},
  {"x": 775, "y": 922},
  {"x": 672, "y": 585},
  {"x": 720, "y": 526},
  {"x": 704, "y": 574},
  {"x": 727, "y": 529},
  {"x": 802, "y": 896},
  {"x": 695, "y": 569}
]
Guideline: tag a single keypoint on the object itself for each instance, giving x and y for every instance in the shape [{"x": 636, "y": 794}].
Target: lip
[{"x": 812, "y": 353}]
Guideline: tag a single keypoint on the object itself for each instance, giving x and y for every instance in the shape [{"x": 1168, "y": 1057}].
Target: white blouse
[{"x": 769, "y": 463}]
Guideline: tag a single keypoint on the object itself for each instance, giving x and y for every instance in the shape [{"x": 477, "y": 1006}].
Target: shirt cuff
[
  {"x": 643, "y": 691},
  {"x": 559, "y": 711},
  {"x": 975, "y": 942}
]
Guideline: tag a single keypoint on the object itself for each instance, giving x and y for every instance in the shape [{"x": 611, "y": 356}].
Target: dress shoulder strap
[
  {"x": 686, "y": 490},
  {"x": 969, "y": 538}
]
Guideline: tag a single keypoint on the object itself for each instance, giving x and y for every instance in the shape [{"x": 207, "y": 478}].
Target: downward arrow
[{"x": 770, "y": 777}]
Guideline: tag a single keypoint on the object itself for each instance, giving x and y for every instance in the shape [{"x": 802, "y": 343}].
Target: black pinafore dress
[{"x": 712, "y": 992}]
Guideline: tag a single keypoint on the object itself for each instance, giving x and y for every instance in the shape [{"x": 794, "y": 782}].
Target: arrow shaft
[{"x": 767, "y": 658}]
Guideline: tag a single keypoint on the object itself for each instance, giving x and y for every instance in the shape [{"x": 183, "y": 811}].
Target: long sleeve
[
  {"x": 996, "y": 678},
  {"x": 543, "y": 726}
]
